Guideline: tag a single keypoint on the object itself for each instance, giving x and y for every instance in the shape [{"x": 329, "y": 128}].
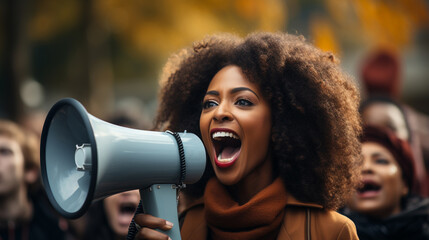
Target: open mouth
[
  {"x": 127, "y": 208},
  {"x": 368, "y": 189},
  {"x": 227, "y": 146},
  {"x": 126, "y": 212}
]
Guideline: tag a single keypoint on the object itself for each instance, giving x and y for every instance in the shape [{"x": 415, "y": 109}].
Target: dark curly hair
[{"x": 314, "y": 105}]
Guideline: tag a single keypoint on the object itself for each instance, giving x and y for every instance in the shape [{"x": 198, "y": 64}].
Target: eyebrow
[
  {"x": 239, "y": 89},
  {"x": 215, "y": 93},
  {"x": 234, "y": 90},
  {"x": 378, "y": 154}
]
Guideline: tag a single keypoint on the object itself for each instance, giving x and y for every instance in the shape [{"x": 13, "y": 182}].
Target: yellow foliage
[
  {"x": 418, "y": 11},
  {"x": 164, "y": 26},
  {"x": 323, "y": 35},
  {"x": 391, "y": 22},
  {"x": 53, "y": 17}
]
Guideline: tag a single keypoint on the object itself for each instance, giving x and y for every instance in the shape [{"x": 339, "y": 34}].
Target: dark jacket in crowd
[
  {"x": 411, "y": 223},
  {"x": 44, "y": 224}
]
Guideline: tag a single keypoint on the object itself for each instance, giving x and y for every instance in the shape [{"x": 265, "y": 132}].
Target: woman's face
[
  {"x": 235, "y": 125},
  {"x": 11, "y": 166},
  {"x": 380, "y": 196},
  {"x": 119, "y": 209}
]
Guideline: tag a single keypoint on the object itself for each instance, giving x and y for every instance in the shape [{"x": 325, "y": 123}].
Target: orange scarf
[{"x": 260, "y": 218}]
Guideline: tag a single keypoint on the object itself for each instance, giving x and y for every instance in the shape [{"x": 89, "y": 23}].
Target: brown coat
[{"x": 323, "y": 224}]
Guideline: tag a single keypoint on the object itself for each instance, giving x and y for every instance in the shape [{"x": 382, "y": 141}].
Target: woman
[
  {"x": 384, "y": 111},
  {"x": 25, "y": 212},
  {"x": 279, "y": 121},
  {"x": 383, "y": 207},
  {"x": 109, "y": 219}
]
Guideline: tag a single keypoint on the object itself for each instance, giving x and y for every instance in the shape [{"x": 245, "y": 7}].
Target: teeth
[
  {"x": 224, "y": 160},
  {"x": 224, "y": 134}
]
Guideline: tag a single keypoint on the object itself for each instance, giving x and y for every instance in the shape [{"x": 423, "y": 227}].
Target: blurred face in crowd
[
  {"x": 120, "y": 210},
  {"x": 235, "y": 125},
  {"x": 11, "y": 165},
  {"x": 387, "y": 115},
  {"x": 383, "y": 185}
]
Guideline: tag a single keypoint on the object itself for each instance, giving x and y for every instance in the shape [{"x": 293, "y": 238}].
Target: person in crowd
[
  {"x": 381, "y": 81},
  {"x": 280, "y": 123},
  {"x": 384, "y": 207},
  {"x": 380, "y": 73},
  {"x": 110, "y": 218},
  {"x": 24, "y": 210},
  {"x": 384, "y": 111}
]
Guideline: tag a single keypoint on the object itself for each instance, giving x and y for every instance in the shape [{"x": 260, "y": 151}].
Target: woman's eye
[
  {"x": 382, "y": 161},
  {"x": 5, "y": 151},
  {"x": 244, "y": 102},
  {"x": 209, "y": 104}
]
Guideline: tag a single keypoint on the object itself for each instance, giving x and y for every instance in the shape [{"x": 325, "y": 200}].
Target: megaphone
[{"x": 84, "y": 159}]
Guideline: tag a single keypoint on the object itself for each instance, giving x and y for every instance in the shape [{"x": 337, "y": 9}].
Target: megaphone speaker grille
[{"x": 66, "y": 128}]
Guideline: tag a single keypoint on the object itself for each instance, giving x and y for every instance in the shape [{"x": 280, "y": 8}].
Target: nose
[
  {"x": 222, "y": 113},
  {"x": 367, "y": 166}
]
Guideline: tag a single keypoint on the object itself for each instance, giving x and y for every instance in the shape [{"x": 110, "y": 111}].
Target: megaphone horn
[{"x": 84, "y": 159}]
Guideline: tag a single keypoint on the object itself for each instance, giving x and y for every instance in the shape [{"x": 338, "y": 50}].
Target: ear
[{"x": 31, "y": 175}]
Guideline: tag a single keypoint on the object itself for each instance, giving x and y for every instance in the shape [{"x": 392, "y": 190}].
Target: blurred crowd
[
  {"x": 391, "y": 203},
  {"x": 25, "y": 211}
]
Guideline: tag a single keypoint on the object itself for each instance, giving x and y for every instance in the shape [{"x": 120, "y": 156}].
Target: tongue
[{"x": 229, "y": 152}]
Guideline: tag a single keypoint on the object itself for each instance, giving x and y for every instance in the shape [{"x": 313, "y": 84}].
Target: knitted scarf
[{"x": 260, "y": 218}]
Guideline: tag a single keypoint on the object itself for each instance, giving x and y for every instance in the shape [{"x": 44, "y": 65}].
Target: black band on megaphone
[
  {"x": 133, "y": 228},
  {"x": 181, "y": 155}
]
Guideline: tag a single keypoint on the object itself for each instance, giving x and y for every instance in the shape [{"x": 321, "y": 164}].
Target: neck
[
  {"x": 253, "y": 183},
  {"x": 15, "y": 206}
]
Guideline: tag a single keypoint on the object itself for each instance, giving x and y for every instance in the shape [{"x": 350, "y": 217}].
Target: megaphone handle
[{"x": 159, "y": 200}]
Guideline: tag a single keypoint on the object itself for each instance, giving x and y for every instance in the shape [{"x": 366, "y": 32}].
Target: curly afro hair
[{"x": 314, "y": 105}]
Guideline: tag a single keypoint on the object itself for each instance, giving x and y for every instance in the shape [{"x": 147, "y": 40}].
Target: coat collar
[{"x": 292, "y": 201}]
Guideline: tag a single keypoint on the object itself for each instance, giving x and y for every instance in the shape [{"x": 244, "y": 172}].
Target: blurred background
[{"x": 108, "y": 54}]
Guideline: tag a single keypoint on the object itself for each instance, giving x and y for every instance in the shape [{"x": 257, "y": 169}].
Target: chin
[
  {"x": 366, "y": 209},
  {"x": 227, "y": 181},
  {"x": 228, "y": 177},
  {"x": 120, "y": 231}
]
